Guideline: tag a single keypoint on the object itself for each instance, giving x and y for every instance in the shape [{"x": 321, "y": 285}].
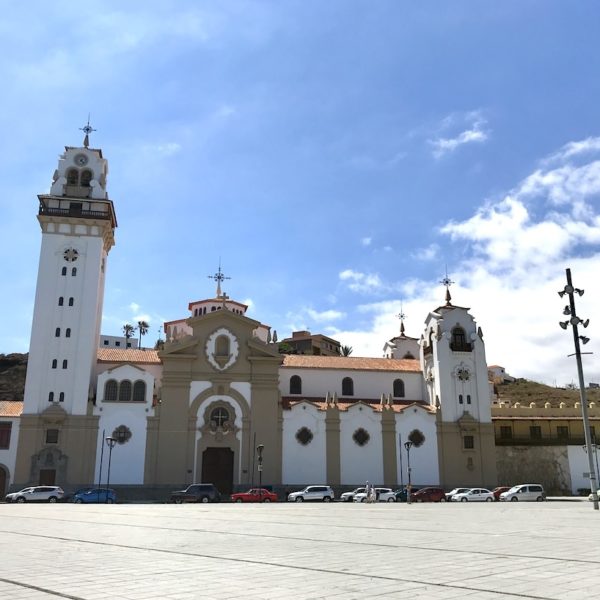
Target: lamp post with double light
[
  {"x": 574, "y": 321},
  {"x": 110, "y": 442},
  {"x": 259, "y": 452},
  {"x": 408, "y": 446}
]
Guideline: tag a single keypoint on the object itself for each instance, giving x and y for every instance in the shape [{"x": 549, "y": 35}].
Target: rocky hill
[
  {"x": 525, "y": 392},
  {"x": 13, "y": 368}
]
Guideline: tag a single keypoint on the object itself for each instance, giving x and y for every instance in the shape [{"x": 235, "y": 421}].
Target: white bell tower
[{"x": 78, "y": 222}]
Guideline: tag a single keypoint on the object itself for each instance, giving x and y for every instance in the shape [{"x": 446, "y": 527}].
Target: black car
[
  {"x": 197, "y": 492},
  {"x": 402, "y": 493}
]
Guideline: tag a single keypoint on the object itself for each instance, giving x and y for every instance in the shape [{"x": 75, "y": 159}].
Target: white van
[{"x": 528, "y": 492}]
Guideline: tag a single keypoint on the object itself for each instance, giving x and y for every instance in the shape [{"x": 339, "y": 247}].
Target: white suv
[
  {"x": 529, "y": 492},
  {"x": 312, "y": 492},
  {"x": 41, "y": 493},
  {"x": 381, "y": 495}
]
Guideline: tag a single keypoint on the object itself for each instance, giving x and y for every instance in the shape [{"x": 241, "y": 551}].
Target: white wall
[
  {"x": 361, "y": 463},
  {"x": 578, "y": 465},
  {"x": 304, "y": 465}
]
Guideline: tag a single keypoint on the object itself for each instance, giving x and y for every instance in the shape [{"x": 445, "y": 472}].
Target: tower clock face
[
  {"x": 70, "y": 255},
  {"x": 81, "y": 160}
]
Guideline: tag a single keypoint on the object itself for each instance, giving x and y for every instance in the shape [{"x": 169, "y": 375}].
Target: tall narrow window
[
  {"x": 54, "y": 363},
  {"x": 398, "y": 388},
  {"x": 468, "y": 442},
  {"x": 139, "y": 391},
  {"x": 68, "y": 332},
  {"x": 63, "y": 271},
  {"x": 86, "y": 177},
  {"x": 51, "y": 397},
  {"x": 222, "y": 346},
  {"x": 71, "y": 301},
  {"x": 347, "y": 387},
  {"x": 64, "y": 364},
  {"x": 535, "y": 432},
  {"x": 111, "y": 391},
  {"x": 460, "y": 398},
  {"x": 51, "y": 436},
  {"x": 125, "y": 391},
  {"x": 458, "y": 341},
  {"x": 295, "y": 384},
  {"x": 74, "y": 271},
  {"x": 57, "y": 332},
  {"x": 72, "y": 177},
  {"x": 468, "y": 399},
  {"x": 61, "y": 397},
  {"x": 61, "y": 301},
  {"x": 5, "y": 429}
]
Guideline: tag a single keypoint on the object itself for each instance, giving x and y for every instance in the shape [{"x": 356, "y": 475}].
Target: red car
[
  {"x": 428, "y": 494},
  {"x": 497, "y": 491},
  {"x": 254, "y": 495}
]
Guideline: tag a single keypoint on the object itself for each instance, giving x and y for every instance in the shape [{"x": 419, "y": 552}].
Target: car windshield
[{"x": 515, "y": 488}]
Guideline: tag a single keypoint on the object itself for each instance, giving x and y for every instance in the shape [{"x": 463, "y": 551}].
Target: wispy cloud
[
  {"x": 366, "y": 241},
  {"x": 428, "y": 253},
  {"x": 361, "y": 282},
  {"x": 475, "y": 132}
]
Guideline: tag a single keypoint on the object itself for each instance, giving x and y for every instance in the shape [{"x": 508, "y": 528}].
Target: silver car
[
  {"x": 312, "y": 492},
  {"x": 40, "y": 493},
  {"x": 474, "y": 495}
]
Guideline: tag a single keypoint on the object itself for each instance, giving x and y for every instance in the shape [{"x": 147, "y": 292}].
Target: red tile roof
[
  {"x": 10, "y": 409},
  {"x": 128, "y": 355},
  {"x": 304, "y": 361}
]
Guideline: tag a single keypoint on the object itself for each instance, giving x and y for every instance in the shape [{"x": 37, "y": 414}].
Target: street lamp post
[
  {"x": 110, "y": 442},
  {"x": 408, "y": 446},
  {"x": 574, "y": 321},
  {"x": 259, "y": 452}
]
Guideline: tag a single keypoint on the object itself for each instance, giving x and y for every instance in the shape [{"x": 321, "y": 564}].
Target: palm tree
[
  {"x": 346, "y": 350},
  {"x": 128, "y": 331},
  {"x": 142, "y": 330}
]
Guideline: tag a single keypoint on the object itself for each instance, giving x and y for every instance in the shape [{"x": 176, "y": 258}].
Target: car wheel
[
  {"x": 463, "y": 500},
  {"x": 442, "y": 499},
  {"x": 267, "y": 500},
  {"x": 299, "y": 499},
  {"x": 20, "y": 499},
  {"x": 514, "y": 499},
  {"x": 363, "y": 499},
  {"x": 391, "y": 499},
  {"x": 110, "y": 501},
  {"x": 539, "y": 499},
  {"x": 178, "y": 501},
  {"x": 489, "y": 500},
  {"x": 239, "y": 500},
  {"x": 204, "y": 499},
  {"x": 327, "y": 499},
  {"x": 52, "y": 499},
  {"x": 78, "y": 501}
]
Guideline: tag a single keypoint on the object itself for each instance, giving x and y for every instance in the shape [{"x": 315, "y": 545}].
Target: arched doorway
[
  {"x": 3, "y": 481},
  {"x": 217, "y": 468}
]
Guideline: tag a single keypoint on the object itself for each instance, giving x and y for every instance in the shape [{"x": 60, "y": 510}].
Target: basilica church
[{"x": 197, "y": 408}]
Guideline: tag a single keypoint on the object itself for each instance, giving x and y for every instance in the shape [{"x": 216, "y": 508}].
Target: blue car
[{"x": 95, "y": 496}]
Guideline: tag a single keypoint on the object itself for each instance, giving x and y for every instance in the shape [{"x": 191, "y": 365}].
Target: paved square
[{"x": 305, "y": 551}]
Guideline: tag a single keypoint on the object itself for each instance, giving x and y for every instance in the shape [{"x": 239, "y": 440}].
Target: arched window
[
  {"x": 57, "y": 332},
  {"x": 458, "y": 341},
  {"x": 86, "y": 177},
  {"x": 68, "y": 332},
  {"x": 64, "y": 271},
  {"x": 71, "y": 301},
  {"x": 61, "y": 301},
  {"x": 139, "y": 391},
  {"x": 125, "y": 391},
  {"x": 468, "y": 399},
  {"x": 72, "y": 177},
  {"x": 409, "y": 355},
  {"x": 347, "y": 386},
  {"x": 398, "y": 388},
  {"x": 51, "y": 397},
  {"x": 64, "y": 364},
  {"x": 74, "y": 271},
  {"x": 110, "y": 391},
  {"x": 61, "y": 397},
  {"x": 295, "y": 384},
  {"x": 460, "y": 399},
  {"x": 222, "y": 346},
  {"x": 54, "y": 363}
]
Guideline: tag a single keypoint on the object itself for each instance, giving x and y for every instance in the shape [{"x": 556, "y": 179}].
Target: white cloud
[
  {"x": 325, "y": 315},
  {"x": 162, "y": 149},
  {"x": 475, "y": 133},
  {"x": 134, "y": 307},
  {"x": 361, "y": 282},
  {"x": 366, "y": 241},
  {"x": 428, "y": 253}
]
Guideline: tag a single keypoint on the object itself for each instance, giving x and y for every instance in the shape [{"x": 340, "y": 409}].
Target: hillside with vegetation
[
  {"x": 13, "y": 368},
  {"x": 525, "y": 392}
]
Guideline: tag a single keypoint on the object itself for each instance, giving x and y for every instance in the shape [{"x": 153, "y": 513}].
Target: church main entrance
[{"x": 217, "y": 468}]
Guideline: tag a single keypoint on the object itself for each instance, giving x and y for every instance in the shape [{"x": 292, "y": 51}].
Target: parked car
[
  {"x": 312, "y": 492},
  {"x": 254, "y": 495},
  {"x": 526, "y": 492},
  {"x": 95, "y": 496},
  {"x": 474, "y": 495},
  {"x": 197, "y": 492},
  {"x": 403, "y": 492},
  {"x": 455, "y": 491},
  {"x": 429, "y": 494},
  {"x": 40, "y": 493},
  {"x": 499, "y": 490},
  {"x": 349, "y": 496},
  {"x": 381, "y": 495},
  {"x": 591, "y": 496}
]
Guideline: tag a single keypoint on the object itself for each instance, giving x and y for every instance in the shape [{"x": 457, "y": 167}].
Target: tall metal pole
[
  {"x": 101, "y": 457},
  {"x": 584, "y": 406},
  {"x": 111, "y": 443},
  {"x": 401, "y": 467},
  {"x": 259, "y": 451},
  {"x": 408, "y": 445}
]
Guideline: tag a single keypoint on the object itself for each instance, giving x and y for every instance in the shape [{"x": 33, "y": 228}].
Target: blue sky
[{"x": 335, "y": 155}]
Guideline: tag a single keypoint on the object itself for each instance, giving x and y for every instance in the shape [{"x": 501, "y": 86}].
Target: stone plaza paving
[{"x": 301, "y": 551}]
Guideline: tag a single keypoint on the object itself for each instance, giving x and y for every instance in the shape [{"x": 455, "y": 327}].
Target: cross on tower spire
[
  {"x": 401, "y": 316},
  {"x": 87, "y": 129},
  {"x": 447, "y": 282},
  {"x": 219, "y": 277}
]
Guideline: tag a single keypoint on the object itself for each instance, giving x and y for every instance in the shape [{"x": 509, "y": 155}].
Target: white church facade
[{"x": 197, "y": 408}]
